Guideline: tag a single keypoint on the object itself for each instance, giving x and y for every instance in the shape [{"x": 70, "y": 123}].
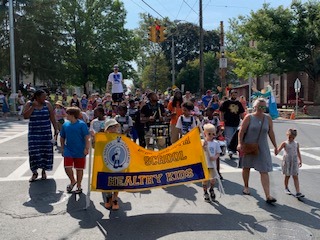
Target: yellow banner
[{"x": 122, "y": 165}]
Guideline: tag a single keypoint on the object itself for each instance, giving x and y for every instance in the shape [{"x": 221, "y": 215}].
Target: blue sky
[{"x": 214, "y": 11}]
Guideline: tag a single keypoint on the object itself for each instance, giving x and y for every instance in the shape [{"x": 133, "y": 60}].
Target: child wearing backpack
[
  {"x": 186, "y": 121},
  {"x": 124, "y": 120}
]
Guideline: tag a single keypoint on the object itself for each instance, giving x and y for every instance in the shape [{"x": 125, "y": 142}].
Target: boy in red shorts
[{"x": 74, "y": 139}]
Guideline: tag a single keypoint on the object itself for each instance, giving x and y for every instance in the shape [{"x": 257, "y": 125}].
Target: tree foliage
[
  {"x": 189, "y": 75},
  {"x": 186, "y": 38},
  {"x": 288, "y": 39},
  {"x": 71, "y": 42}
]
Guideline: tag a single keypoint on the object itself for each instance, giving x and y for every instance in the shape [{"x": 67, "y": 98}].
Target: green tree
[
  {"x": 189, "y": 75},
  {"x": 287, "y": 40},
  {"x": 155, "y": 73},
  {"x": 186, "y": 39},
  {"x": 37, "y": 37},
  {"x": 93, "y": 46}
]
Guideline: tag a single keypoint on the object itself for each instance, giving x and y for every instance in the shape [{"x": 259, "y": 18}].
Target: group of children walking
[{"x": 75, "y": 143}]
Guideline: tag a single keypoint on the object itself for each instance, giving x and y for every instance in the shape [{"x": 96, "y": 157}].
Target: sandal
[
  {"x": 70, "y": 187},
  {"x": 115, "y": 205},
  {"x": 34, "y": 177},
  {"x": 244, "y": 192},
  {"x": 78, "y": 191},
  {"x": 44, "y": 175},
  {"x": 271, "y": 200}
]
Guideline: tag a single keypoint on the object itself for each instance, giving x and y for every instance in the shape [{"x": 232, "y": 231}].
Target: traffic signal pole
[
  {"x": 201, "y": 72},
  {"x": 12, "y": 56},
  {"x": 173, "y": 62}
]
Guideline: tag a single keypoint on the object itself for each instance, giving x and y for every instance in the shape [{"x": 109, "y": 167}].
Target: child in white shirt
[
  {"x": 186, "y": 121},
  {"x": 212, "y": 152}
]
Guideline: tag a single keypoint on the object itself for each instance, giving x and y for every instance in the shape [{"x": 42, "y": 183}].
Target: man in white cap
[{"x": 115, "y": 79}]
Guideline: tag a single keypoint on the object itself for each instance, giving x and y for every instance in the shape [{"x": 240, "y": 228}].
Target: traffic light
[
  {"x": 152, "y": 34},
  {"x": 158, "y": 33},
  {"x": 163, "y": 34}
]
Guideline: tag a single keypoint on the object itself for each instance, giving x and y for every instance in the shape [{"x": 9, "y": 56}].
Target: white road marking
[
  {"x": 13, "y": 137},
  {"x": 315, "y": 157},
  {"x": 59, "y": 173}
]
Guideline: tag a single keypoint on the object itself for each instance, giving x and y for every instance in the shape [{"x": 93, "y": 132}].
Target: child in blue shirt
[{"x": 74, "y": 139}]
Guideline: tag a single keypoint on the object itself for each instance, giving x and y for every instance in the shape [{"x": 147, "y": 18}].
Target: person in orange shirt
[{"x": 175, "y": 109}]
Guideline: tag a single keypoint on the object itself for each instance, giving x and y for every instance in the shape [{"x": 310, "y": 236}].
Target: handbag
[{"x": 253, "y": 148}]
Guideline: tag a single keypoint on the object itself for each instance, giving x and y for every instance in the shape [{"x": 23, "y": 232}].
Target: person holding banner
[
  {"x": 212, "y": 152},
  {"x": 111, "y": 199},
  {"x": 75, "y": 144}
]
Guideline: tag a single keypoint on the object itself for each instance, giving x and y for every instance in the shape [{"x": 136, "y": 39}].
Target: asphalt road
[{"x": 43, "y": 209}]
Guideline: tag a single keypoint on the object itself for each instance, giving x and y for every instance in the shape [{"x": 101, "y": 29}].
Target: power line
[
  {"x": 167, "y": 11},
  {"x": 152, "y": 8},
  {"x": 227, "y": 6},
  {"x": 191, "y": 9},
  {"x": 139, "y": 6},
  {"x": 179, "y": 9},
  {"x": 190, "y": 6}
]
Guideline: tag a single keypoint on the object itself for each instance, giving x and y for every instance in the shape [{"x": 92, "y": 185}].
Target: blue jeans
[{"x": 228, "y": 133}]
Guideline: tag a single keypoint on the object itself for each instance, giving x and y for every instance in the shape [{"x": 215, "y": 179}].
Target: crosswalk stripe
[
  {"x": 13, "y": 137},
  {"x": 60, "y": 172},
  {"x": 21, "y": 170},
  {"x": 315, "y": 157},
  {"x": 304, "y": 166}
]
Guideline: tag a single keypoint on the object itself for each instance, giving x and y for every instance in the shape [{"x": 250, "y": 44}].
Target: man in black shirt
[
  {"x": 231, "y": 111},
  {"x": 152, "y": 115}
]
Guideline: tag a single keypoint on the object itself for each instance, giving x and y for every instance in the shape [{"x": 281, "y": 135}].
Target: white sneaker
[
  {"x": 287, "y": 191},
  {"x": 206, "y": 197}
]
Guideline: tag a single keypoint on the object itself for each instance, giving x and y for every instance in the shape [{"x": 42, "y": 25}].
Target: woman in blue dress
[
  {"x": 5, "y": 106},
  {"x": 40, "y": 144}
]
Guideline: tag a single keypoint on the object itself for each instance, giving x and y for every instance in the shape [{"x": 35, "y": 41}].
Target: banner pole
[
  {"x": 89, "y": 177},
  {"x": 221, "y": 189}
]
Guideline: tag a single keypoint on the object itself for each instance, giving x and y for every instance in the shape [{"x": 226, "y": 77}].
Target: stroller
[{"x": 221, "y": 140}]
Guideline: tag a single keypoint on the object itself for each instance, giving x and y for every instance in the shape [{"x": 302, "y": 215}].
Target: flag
[{"x": 122, "y": 165}]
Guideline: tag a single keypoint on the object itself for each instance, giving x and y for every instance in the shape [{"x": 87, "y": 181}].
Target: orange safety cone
[{"x": 292, "y": 116}]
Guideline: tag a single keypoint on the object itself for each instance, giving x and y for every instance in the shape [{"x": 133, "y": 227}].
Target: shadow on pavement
[
  {"x": 43, "y": 195},
  {"x": 282, "y": 212},
  {"x": 183, "y": 192},
  {"x": 154, "y": 226},
  {"x": 88, "y": 217}
]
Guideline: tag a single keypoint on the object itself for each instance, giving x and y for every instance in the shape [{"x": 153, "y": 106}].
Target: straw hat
[
  {"x": 109, "y": 123},
  {"x": 59, "y": 103}
]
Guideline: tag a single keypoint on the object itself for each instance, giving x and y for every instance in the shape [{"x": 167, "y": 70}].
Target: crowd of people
[{"x": 155, "y": 120}]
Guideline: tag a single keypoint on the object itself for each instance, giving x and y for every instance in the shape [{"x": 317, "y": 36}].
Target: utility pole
[
  {"x": 223, "y": 60},
  {"x": 12, "y": 56},
  {"x": 201, "y": 77},
  {"x": 173, "y": 71}
]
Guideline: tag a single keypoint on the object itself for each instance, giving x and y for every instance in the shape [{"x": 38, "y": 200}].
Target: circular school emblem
[{"x": 116, "y": 155}]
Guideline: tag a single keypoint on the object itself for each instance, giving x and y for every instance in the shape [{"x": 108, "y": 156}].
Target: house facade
[{"x": 283, "y": 87}]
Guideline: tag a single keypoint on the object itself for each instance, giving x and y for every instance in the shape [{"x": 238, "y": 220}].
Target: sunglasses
[
  {"x": 210, "y": 134},
  {"x": 262, "y": 107}
]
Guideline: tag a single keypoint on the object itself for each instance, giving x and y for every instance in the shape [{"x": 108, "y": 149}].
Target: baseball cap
[
  {"x": 116, "y": 67},
  {"x": 208, "y": 91},
  {"x": 109, "y": 123},
  {"x": 233, "y": 91}
]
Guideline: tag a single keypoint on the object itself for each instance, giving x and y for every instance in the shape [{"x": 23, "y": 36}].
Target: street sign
[
  {"x": 297, "y": 85},
  {"x": 223, "y": 63}
]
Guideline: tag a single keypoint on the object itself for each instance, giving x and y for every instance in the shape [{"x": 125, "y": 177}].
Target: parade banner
[{"x": 122, "y": 165}]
